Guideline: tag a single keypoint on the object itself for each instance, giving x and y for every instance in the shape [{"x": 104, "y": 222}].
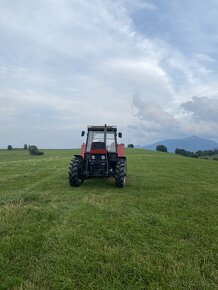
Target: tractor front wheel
[
  {"x": 74, "y": 178},
  {"x": 120, "y": 173}
]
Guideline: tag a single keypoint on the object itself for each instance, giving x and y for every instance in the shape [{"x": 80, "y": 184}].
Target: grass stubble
[{"x": 159, "y": 232}]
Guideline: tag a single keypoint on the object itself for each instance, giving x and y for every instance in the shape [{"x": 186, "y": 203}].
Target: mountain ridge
[{"x": 192, "y": 143}]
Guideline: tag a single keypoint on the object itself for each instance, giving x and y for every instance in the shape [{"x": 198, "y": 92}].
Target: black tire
[
  {"x": 74, "y": 169},
  {"x": 120, "y": 173}
]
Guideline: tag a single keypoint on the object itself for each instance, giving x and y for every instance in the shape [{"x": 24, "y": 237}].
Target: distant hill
[{"x": 193, "y": 144}]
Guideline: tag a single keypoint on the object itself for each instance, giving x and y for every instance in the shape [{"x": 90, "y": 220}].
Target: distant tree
[
  {"x": 210, "y": 152},
  {"x": 201, "y": 153},
  {"x": 33, "y": 149},
  {"x": 161, "y": 148},
  {"x": 10, "y": 147},
  {"x": 25, "y": 146},
  {"x": 130, "y": 146},
  {"x": 186, "y": 153},
  {"x": 179, "y": 151}
]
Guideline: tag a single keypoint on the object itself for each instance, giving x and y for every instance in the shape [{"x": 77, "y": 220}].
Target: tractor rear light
[
  {"x": 102, "y": 157},
  {"x": 93, "y": 157}
]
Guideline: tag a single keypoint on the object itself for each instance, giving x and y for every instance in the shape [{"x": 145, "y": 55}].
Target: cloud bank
[
  {"x": 196, "y": 117},
  {"x": 65, "y": 64}
]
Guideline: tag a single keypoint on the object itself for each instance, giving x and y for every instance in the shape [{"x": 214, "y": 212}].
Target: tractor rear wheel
[
  {"x": 74, "y": 169},
  {"x": 120, "y": 173}
]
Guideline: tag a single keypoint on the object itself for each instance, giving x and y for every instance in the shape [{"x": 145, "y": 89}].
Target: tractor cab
[
  {"x": 103, "y": 136},
  {"x": 101, "y": 154}
]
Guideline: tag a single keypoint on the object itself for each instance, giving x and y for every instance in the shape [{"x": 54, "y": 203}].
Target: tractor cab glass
[
  {"x": 94, "y": 136},
  {"x": 98, "y": 136},
  {"x": 110, "y": 142}
]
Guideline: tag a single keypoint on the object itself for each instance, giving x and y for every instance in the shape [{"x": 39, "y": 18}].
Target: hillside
[
  {"x": 190, "y": 143},
  {"x": 159, "y": 232}
]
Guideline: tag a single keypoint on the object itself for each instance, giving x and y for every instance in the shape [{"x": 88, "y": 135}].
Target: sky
[{"x": 148, "y": 67}]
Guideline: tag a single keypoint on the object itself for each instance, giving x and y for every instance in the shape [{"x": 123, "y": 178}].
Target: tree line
[
  {"x": 183, "y": 152},
  {"x": 197, "y": 154},
  {"x": 33, "y": 149}
]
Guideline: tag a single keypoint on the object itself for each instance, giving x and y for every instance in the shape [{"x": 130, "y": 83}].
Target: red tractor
[{"x": 100, "y": 156}]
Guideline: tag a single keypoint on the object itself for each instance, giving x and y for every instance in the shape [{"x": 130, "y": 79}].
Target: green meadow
[{"x": 159, "y": 232}]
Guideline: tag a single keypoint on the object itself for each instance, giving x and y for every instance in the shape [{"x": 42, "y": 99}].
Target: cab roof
[{"x": 102, "y": 128}]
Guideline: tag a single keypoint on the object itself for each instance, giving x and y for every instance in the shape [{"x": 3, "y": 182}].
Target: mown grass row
[{"x": 159, "y": 232}]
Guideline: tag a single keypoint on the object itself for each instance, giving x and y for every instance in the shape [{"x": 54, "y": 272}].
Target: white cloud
[
  {"x": 138, "y": 5},
  {"x": 203, "y": 58},
  {"x": 153, "y": 116},
  {"x": 202, "y": 109},
  {"x": 153, "y": 122}
]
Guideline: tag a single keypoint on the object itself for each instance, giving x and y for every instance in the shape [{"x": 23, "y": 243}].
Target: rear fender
[
  {"x": 79, "y": 157},
  {"x": 83, "y": 150},
  {"x": 120, "y": 150}
]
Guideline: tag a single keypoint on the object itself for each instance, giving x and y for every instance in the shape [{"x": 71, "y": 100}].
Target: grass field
[{"x": 159, "y": 232}]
